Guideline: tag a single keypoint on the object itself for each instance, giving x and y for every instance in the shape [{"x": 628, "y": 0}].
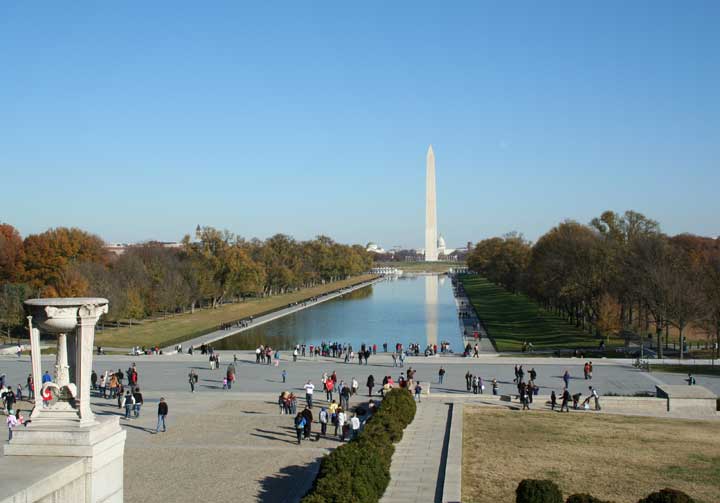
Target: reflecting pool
[{"x": 409, "y": 309}]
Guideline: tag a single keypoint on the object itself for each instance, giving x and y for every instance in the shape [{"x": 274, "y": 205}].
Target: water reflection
[
  {"x": 418, "y": 309},
  {"x": 431, "y": 309}
]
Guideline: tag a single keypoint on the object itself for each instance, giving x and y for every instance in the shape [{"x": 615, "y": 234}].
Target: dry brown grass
[{"x": 616, "y": 458}]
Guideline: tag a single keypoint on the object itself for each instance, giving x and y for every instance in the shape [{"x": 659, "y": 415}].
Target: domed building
[
  {"x": 441, "y": 246},
  {"x": 374, "y": 248}
]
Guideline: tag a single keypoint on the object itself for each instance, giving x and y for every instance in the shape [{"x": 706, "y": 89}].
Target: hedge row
[
  {"x": 359, "y": 471},
  {"x": 546, "y": 491}
]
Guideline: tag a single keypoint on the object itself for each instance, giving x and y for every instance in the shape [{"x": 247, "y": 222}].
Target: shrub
[
  {"x": 384, "y": 424},
  {"x": 352, "y": 471},
  {"x": 538, "y": 491},
  {"x": 584, "y": 498},
  {"x": 667, "y": 496},
  {"x": 360, "y": 470},
  {"x": 399, "y": 403}
]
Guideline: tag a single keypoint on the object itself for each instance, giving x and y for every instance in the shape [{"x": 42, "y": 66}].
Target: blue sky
[{"x": 140, "y": 120}]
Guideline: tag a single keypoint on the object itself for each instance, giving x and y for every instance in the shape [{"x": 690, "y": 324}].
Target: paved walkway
[
  {"x": 417, "y": 471},
  {"x": 470, "y": 323},
  {"x": 221, "y": 334}
]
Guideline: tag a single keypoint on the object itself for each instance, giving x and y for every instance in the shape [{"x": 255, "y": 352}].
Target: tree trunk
[
  {"x": 682, "y": 340},
  {"x": 658, "y": 331}
]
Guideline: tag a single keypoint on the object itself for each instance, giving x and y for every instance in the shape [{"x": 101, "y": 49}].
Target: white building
[{"x": 374, "y": 248}]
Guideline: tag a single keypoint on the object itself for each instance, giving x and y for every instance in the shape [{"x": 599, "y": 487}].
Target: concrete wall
[{"x": 66, "y": 484}]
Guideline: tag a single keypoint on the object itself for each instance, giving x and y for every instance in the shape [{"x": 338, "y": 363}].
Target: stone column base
[{"x": 101, "y": 445}]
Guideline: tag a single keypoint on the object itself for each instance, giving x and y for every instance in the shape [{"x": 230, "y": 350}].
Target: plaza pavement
[
  {"x": 235, "y": 444},
  {"x": 162, "y": 374}
]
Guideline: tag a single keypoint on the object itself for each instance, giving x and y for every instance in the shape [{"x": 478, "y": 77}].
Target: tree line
[
  {"x": 619, "y": 274},
  {"x": 213, "y": 268}
]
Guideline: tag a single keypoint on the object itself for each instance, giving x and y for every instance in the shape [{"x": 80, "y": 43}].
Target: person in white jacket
[
  {"x": 355, "y": 424},
  {"x": 342, "y": 419}
]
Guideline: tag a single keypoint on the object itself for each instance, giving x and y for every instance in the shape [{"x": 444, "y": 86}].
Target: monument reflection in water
[
  {"x": 431, "y": 309},
  {"x": 418, "y": 309}
]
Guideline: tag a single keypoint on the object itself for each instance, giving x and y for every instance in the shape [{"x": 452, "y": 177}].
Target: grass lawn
[
  {"x": 511, "y": 319},
  {"x": 186, "y": 326},
  {"x": 711, "y": 370},
  {"x": 615, "y": 458}
]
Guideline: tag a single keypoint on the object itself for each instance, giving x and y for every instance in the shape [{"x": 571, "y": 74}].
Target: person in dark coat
[
  {"x": 307, "y": 414},
  {"x": 370, "y": 384},
  {"x": 565, "y": 400},
  {"x": 162, "y": 414}
]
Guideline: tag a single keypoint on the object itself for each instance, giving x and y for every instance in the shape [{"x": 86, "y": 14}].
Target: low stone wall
[
  {"x": 640, "y": 405},
  {"x": 693, "y": 406},
  {"x": 43, "y": 481},
  {"x": 452, "y": 485}
]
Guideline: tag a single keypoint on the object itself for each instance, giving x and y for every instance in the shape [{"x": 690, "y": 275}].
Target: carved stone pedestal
[
  {"x": 81, "y": 455},
  {"x": 99, "y": 446}
]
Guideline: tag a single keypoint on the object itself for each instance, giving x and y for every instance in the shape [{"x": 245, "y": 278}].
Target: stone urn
[{"x": 73, "y": 321}]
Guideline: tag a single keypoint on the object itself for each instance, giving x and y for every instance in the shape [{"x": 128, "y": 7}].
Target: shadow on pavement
[{"x": 289, "y": 484}]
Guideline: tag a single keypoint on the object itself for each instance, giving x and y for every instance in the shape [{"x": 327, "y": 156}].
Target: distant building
[
  {"x": 116, "y": 248},
  {"x": 387, "y": 271},
  {"x": 374, "y": 248},
  {"x": 120, "y": 248}
]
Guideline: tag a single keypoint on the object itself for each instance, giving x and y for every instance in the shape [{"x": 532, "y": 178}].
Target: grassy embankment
[
  {"x": 615, "y": 458},
  {"x": 421, "y": 266},
  {"x": 186, "y": 326},
  {"x": 513, "y": 318}
]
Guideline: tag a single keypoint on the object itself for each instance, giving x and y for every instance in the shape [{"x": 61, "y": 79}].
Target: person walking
[
  {"x": 12, "y": 422},
  {"x": 341, "y": 419},
  {"x": 308, "y": 415},
  {"x": 345, "y": 397},
  {"x": 162, "y": 414},
  {"x": 596, "y": 397},
  {"x": 329, "y": 387},
  {"x": 128, "y": 402},
  {"x": 565, "y": 401},
  {"x": 468, "y": 380},
  {"x": 309, "y": 389},
  {"x": 525, "y": 396},
  {"x": 566, "y": 379},
  {"x": 137, "y": 396},
  {"x": 31, "y": 387},
  {"x": 323, "y": 418},
  {"x": 418, "y": 391},
  {"x": 553, "y": 400},
  {"x": 191, "y": 381},
  {"x": 355, "y": 424},
  {"x": 299, "y": 426},
  {"x": 441, "y": 375},
  {"x": 370, "y": 384}
]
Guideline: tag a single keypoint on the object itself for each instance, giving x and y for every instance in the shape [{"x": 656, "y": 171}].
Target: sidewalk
[
  {"x": 468, "y": 324},
  {"x": 417, "y": 472}
]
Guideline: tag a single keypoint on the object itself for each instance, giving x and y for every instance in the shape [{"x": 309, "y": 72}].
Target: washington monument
[{"x": 431, "y": 253}]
